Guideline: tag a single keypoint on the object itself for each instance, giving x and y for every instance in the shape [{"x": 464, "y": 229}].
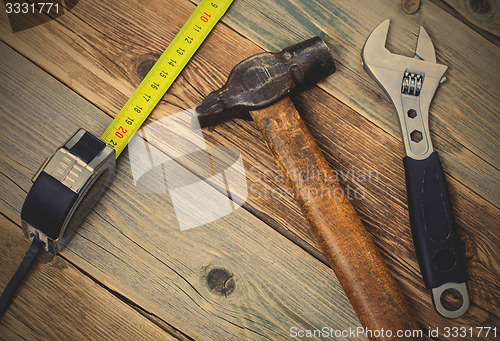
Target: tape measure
[
  {"x": 163, "y": 73},
  {"x": 70, "y": 183}
]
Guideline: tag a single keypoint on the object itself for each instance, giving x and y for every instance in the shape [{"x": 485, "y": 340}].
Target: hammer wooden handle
[{"x": 345, "y": 242}]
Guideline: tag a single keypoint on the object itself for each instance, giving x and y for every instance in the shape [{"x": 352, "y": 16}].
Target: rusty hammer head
[{"x": 265, "y": 78}]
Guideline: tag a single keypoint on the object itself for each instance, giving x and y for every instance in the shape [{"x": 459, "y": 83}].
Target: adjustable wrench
[{"x": 411, "y": 83}]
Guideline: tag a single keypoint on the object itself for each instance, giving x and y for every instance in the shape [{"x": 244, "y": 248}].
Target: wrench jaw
[
  {"x": 425, "y": 48},
  {"x": 391, "y": 71},
  {"x": 374, "y": 51}
]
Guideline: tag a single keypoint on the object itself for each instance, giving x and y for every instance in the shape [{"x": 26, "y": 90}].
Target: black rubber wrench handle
[{"x": 434, "y": 233}]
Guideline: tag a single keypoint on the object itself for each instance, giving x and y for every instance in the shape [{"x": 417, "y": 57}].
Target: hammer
[{"x": 259, "y": 87}]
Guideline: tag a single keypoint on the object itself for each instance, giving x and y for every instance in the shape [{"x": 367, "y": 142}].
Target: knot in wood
[
  {"x": 144, "y": 67},
  {"x": 221, "y": 282},
  {"x": 480, "y": 6}
]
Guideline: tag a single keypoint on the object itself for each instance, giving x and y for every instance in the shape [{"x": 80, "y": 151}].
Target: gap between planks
[
  {"x": 178, "y": 334},
  {"x": 30, "y": 302},
  {"x": 474, "y": 19},
  {"x": 468, "y": 143},
  {"x": 265, "y": 218},
  {"x": 310, "y": 266},
  {"x": 240, "y": 34}
]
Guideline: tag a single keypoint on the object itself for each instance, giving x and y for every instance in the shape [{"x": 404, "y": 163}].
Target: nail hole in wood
[{"x": 411, "y": 6}]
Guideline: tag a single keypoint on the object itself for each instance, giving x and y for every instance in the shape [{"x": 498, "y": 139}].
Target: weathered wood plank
[
  {"x": 465, "y": 132},
  {"x": 101, "y": 57},
  {"x": 57, "y": 288},
  {"x": 482, "y": 13},
  {"x": 132, "y": 245},
  {"x": 351, "y": 143},
  {"x": 384, "y": 209}
]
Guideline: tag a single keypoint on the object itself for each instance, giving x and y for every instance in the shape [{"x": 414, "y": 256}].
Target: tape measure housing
[
  {"x": 70, "y": 183},
  {"x": 66, "y": 188}
]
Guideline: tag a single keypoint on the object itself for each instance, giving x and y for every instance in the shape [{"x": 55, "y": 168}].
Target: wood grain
[
  {"x": 465, "y": 132},
  {"x": 89, "y": 52},
  {"x": 482, "y": 13},
  {"x": 348, "y": 246},
  {"x": 383, "y": 208},
  {"x": 57, "y": 288},
  {"x": 132, "y": 245}
]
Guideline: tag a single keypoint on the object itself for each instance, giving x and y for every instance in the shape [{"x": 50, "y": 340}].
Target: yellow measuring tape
[{"x": 163, "y": 73}]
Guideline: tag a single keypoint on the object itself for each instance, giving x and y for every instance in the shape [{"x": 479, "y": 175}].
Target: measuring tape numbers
[
  {"x": 71, "y": 182},
  {"x": 163, "y": 73},
  {"x": 51, "y": 211}
]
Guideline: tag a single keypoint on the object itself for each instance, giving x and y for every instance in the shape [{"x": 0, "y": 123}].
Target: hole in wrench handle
[{"x": 437, "y": 295}]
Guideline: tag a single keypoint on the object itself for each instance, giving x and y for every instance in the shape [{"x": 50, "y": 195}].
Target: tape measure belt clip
[{"x": 66, "y": 188}]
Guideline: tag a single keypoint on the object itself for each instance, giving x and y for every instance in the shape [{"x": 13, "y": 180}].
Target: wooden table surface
[{"x": 130, "y": 273}]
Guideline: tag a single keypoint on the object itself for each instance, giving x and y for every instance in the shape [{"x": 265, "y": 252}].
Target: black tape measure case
[{"x": 66, "y": 188}]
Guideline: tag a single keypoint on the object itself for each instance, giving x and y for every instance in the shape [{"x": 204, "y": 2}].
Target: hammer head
[{"x": 265, "y": 78}]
